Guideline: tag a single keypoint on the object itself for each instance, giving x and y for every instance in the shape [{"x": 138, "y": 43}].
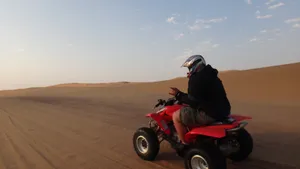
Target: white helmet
[{"x": 193, "y": 63}]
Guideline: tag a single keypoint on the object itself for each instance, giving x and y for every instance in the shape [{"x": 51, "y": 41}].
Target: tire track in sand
[
  {"x": 78, "y": 147},
  {"x": 9, "y": 149},
  {"x": 34, "y": 148},
  {"x": 49, "y": 121},
  {"x": 32, "y": 144},
  {"x": 15, "y": 131}
]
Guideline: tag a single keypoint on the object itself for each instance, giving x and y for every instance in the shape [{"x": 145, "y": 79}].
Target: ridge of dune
[
  {"x": 269, "y": 69},
  {"x": 280, "y": 83},
  {"x": 82, "y": 124},
  {"x": 91, "y": 84}
]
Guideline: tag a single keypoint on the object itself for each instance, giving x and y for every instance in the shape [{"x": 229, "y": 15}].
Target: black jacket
[{"x": 206, "y": 92}]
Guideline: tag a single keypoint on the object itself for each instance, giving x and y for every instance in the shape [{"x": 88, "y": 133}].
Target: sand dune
[
  {"x": 92, "y": 84},
  {"x": 91, "y": 125}
]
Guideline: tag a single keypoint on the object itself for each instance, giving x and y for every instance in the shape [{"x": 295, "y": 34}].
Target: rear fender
[
  {"x": 240, "y": 118},
  {"x": 205, "y": 131},
  {"x": 214, "y": 131},
  {"x": 160, "y": 122}
]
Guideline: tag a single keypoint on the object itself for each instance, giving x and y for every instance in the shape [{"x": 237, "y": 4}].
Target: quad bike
[{"x": 208, "y": 146}]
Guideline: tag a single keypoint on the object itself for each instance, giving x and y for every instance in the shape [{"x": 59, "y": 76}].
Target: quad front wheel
[
  {"x": 145, "y": 143},
  {"x": 204, "y": 157}
]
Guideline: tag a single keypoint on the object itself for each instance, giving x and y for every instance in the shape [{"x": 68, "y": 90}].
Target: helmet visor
[{"x": 191, "y": 60}]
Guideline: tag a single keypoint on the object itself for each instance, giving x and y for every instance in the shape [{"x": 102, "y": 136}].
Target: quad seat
[{"x": 228, "y": 120}]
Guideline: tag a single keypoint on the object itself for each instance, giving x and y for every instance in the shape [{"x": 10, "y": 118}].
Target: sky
[{"x": 49, "y": 42}]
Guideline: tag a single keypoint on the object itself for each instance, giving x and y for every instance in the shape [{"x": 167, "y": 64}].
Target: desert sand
[{"x": 90, "y": 126}]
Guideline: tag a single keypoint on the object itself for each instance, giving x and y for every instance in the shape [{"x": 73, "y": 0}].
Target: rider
[{"x": 206, "y": 97}]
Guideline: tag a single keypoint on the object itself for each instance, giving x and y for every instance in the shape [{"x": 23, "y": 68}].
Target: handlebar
[{"x": 162, "y": 102}]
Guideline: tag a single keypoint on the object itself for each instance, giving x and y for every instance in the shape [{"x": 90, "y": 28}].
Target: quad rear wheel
[
  {"x": 245, "y": 142},
  {"x": 145, "y": 143},
  {"x": 204, "y": 157}
]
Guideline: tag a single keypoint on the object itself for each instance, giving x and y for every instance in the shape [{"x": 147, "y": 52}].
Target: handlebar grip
[
  {"x": 160, "y": 102},
  {"x": 157, "y": 105}
]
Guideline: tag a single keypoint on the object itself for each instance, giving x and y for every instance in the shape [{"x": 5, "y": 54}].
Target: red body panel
[
  {"x": 211, "y": 132},
  {"x": 240, "y": 118},
  {"x": 160, "y": 121},
  {"x": 169, "y": 110},
  {"x": 216, "y": 131},
  {"x": 164, "y": 115}
]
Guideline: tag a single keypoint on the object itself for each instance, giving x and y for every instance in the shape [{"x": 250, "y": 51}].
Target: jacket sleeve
[{"x": 187, "y": 99}]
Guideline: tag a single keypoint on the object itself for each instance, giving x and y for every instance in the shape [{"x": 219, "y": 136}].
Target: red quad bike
[{"x": 209, "y": 146}]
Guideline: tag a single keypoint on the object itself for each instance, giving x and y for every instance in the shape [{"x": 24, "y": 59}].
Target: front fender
[
  {"x": 160, "y": 122},
  {"x": 149, "y": 115}
]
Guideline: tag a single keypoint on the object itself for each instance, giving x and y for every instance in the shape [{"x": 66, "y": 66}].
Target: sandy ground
[{"x": 91, "y": 127}]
